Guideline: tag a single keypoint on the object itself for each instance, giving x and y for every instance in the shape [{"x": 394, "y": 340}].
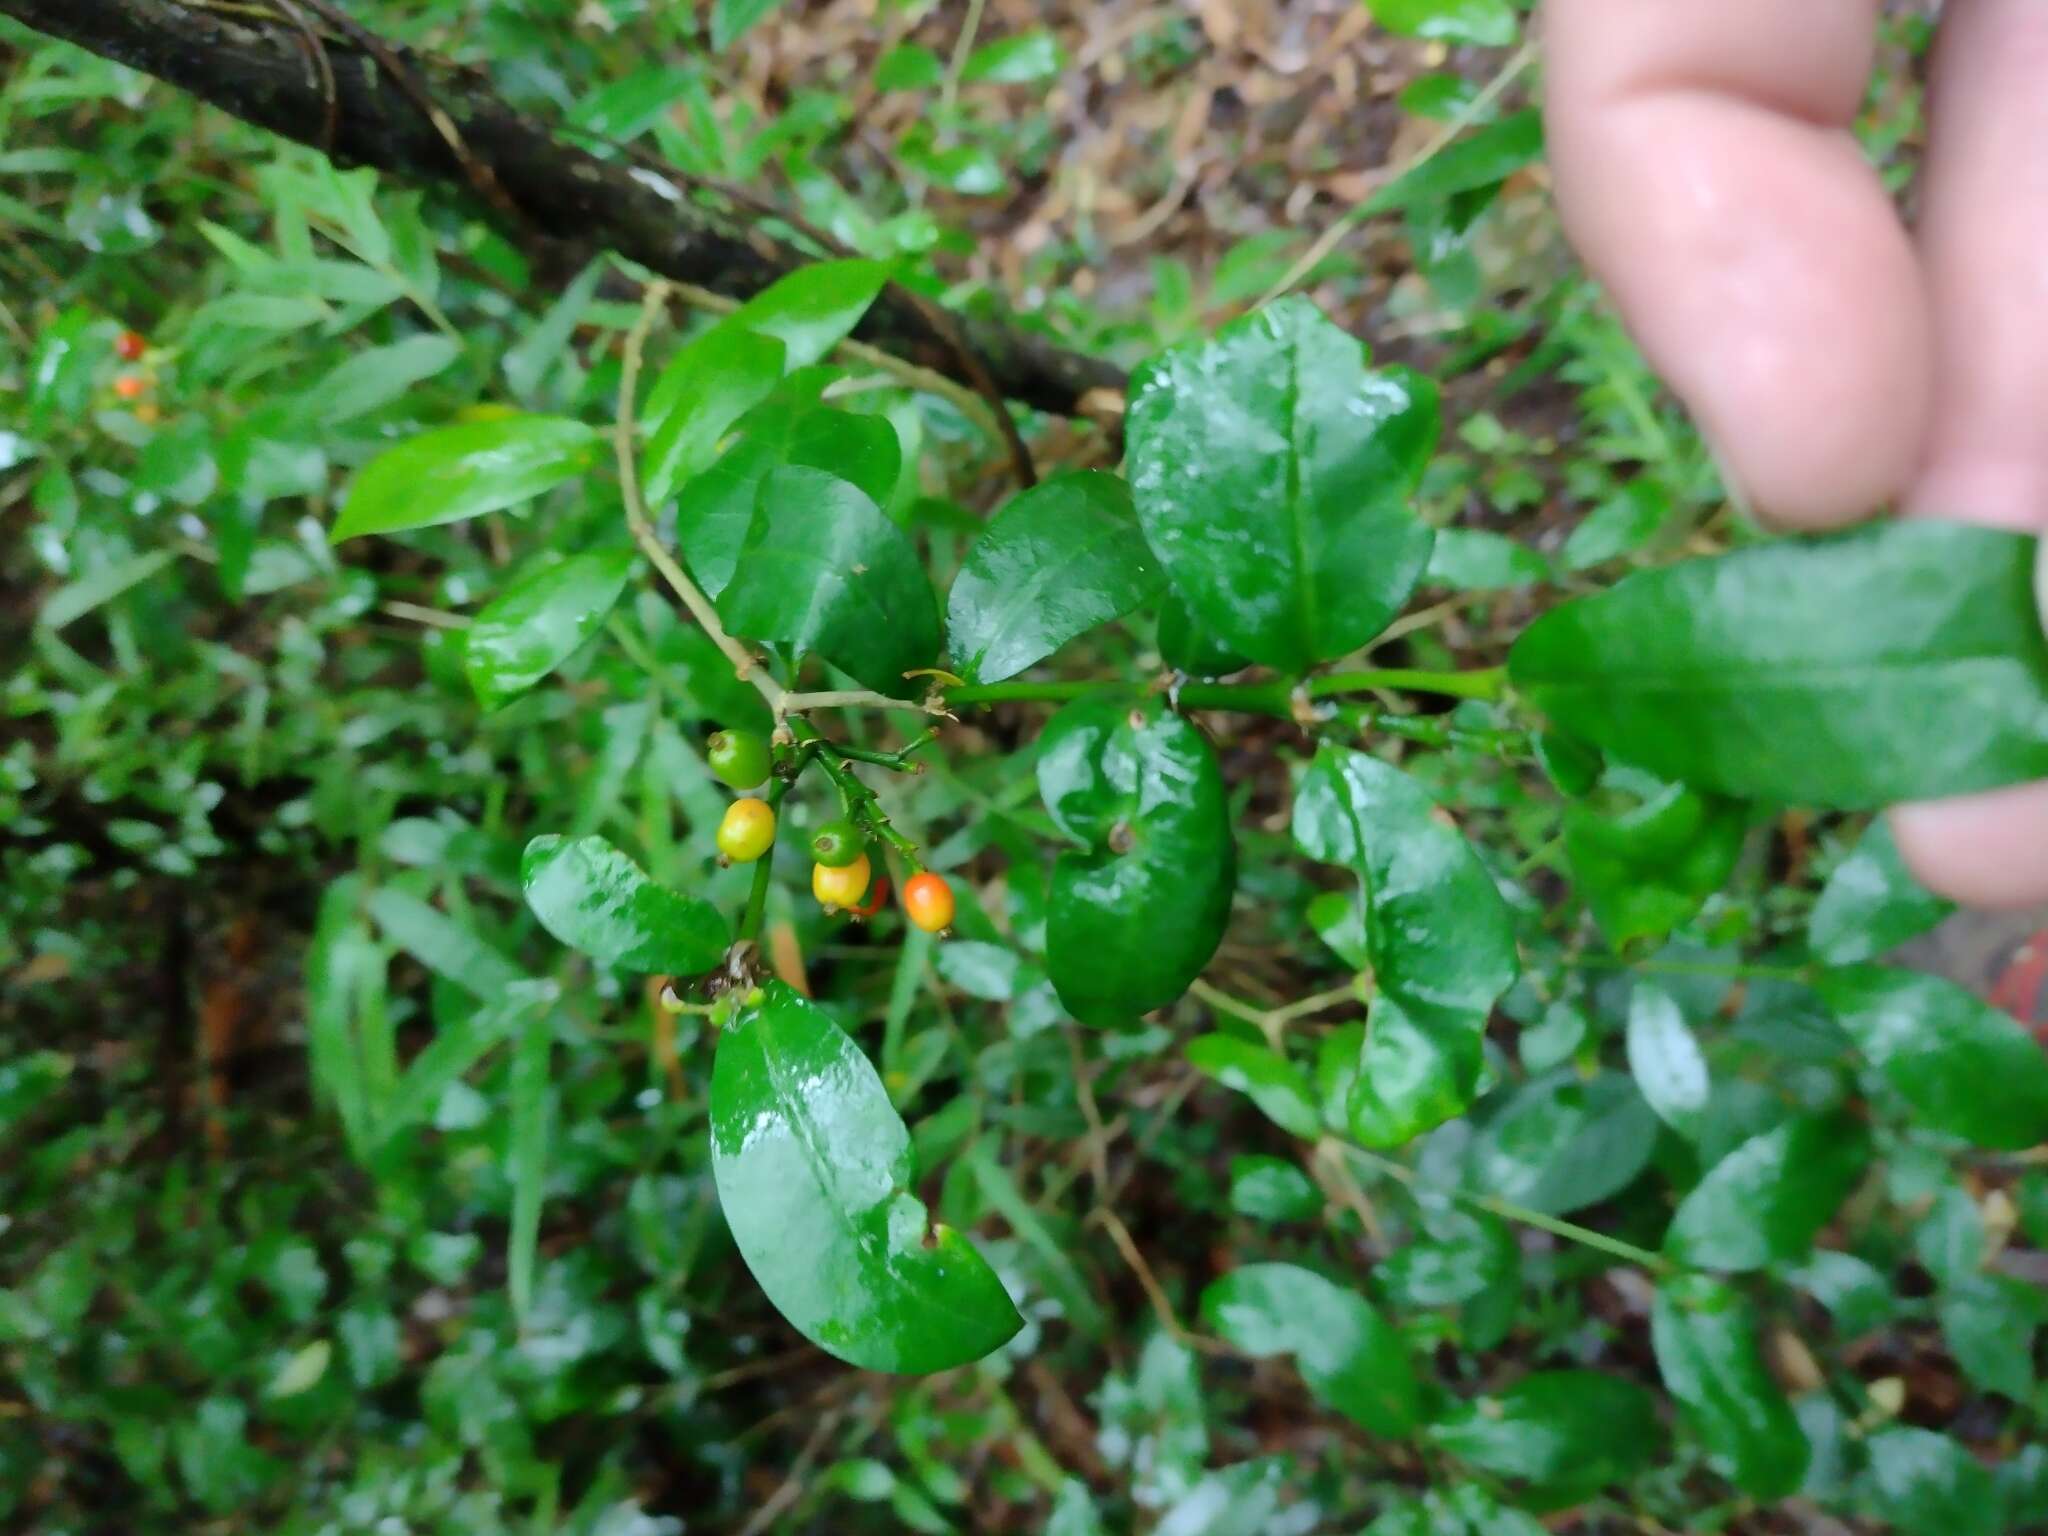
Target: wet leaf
[
  {"x": 539, "y": 621},
  {"x": 593, "y": 898},
  {"x": 1965, "y": 1067},
  {"x": 1705, "y": 1337},
  {"x": 815, "y": 1170},
  {"x": 824, "y": 570},
  {"x": 1903, "y": 661},
  {"x": 1139, "y": 908},
  {"x": 1564, "y": 1430},
  {"x": 1272, "y": 470},
  {"x": 1765, "y": 1201},
  {"x": 1350, "y": 1356},
  {"x": 463, "y": 471},
  {"x": 1056, "y": 561}
]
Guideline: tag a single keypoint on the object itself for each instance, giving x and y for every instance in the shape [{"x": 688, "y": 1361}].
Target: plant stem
[
  {"x": 862, "y": 804},
  {"x": 757, "y": 894},
  {"x": 1277, "y": 698},
  {"x": 624, "y": 439},
  {"x": 1507, "y": 1210}
]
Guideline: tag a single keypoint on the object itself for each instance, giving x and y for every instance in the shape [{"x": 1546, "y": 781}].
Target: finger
[
  {"x": 1984, "y": 228},
  {"x": 1705, "y": 169}
]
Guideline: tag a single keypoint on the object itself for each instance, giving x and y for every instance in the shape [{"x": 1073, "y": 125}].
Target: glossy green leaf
[
  {"x": 824, "y": 570},
  {"x": 462, "y": 471},
  {"x": 1272, "y": 1189},
  {"x": 1871, "y": 903},
  {"x": 706, "y": 387},
  {"x": 1415, "y": 1071},
  {"x": 814, "y": 308},
  {"x": 1965, "y": 1067},
  {"x": 909, "y": 67},
  {"x": 1925, "y": 1484},
  {"x": 1705, "y": 1336},
  {"x": 1350, "y": 1356},
  {"x": 1665, "y": 1059},
  {"x": 1268, "y": 1079},
  {"x": 715, "y": 510},
  {"x": 1765, "y": 1201},
  {"x": 1560, "y": 1144},
  {"x": 595, "y": 899},
  {"x": 1482, "y": 158},
  {"x": 1646, "y": 858},
  {"x": 815, "y": 1171},
  {"x": 1482, "y": 23},
  {"x": 1272, "y": 470},
  {"x": 1904, "y": 661},
  {"x": 1465, "y": 1509},
  {"x": 539, "y": 621},
  {"x": 1438, "y": 936},
  {"x": 1138, "y": 909},
  {"x": 1564, "y": 1430},
  {"x": 1187, "y": 645},
  {"x": 1058, "y": 560}
]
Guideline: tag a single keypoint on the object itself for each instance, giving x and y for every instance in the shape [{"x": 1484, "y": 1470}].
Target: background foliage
[{"x": 337, "y": 1192}]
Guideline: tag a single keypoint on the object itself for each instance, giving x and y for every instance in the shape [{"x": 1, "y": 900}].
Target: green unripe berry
[
  {"x": 740, "y": 758},
  {"x": 837, "y": 844}
]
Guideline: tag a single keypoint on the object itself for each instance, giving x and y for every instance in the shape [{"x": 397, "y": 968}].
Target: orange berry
[
  {"x": 929, "y": 902},
  {"x": 129, "y": 386},
  {"x": 844, "y": 886}
]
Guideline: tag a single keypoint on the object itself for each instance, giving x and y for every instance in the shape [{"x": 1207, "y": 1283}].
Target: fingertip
[
  {"x": 1764, "y": 272},
  {"x": 1988, "y": 851}
]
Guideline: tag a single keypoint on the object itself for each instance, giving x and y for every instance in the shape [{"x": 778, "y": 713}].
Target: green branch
[{"x": 1279, "y": 698}]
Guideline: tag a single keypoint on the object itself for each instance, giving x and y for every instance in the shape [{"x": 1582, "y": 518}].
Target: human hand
[{"x": 1837, "y": 362}]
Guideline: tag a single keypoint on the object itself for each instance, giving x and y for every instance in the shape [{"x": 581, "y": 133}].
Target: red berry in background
[
  {"x": 928, "y": 901},
  {"x": 130, "y": 386},
  {"x": 130, "y": 345}
]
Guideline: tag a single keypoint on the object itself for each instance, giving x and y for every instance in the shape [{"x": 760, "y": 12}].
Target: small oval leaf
[
  {"x": 1351, "y": 1357},
  {"x": 1272, "y": 470},
  {"x": 1665, "y": 1059},
  {"x": 1562, "y": 1430},
  {"x": 1965, "y": 1068},
  {"x": 1056, "y": 561},
  {"x": 1136, "y": 913},
  {"x": 815, "y": 1169},
  {"x": 595, "y": 899},
  {"x": 539, "y": 621},
  {"x": 1766, "y": 1200},
  {"x": 465, "y": 470},
  {"x": 1705, "y": 1337}
]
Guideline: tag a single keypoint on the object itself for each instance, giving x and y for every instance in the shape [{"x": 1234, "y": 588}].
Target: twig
[
  {"x": 1098, "y": 1138},
  {"x": 1162, "y": 1305},
  {"x": 478, "y": 172},
  {"x": 792, "y": 1487},
  {"x": 623, "y": 438},
  {"x": 323, "y": 71}
]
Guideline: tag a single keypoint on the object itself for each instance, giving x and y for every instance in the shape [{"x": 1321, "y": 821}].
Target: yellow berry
[{"x": 747, "y": 832}]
